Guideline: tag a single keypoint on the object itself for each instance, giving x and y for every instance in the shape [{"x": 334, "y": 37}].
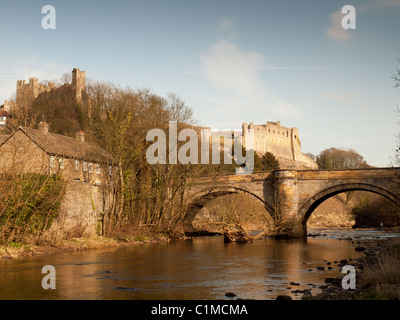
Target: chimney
[
  {"x": 80, "y": 135},
  {"x": 43, "y": 127}
]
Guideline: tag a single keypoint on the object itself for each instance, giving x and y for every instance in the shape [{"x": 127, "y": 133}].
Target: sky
[{"x": 230, "y": 61}]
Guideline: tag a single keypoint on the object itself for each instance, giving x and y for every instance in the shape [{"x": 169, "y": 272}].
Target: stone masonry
[
  {"x": 293, "y": 195},
  {"x": 283, "y": 142}
]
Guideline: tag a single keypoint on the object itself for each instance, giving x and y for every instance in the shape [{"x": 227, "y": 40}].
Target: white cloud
[
  {"x": 230, "y": 69},
  {"x": 242, "y": 92},
  {"x": 226, "y": 25},
  {"x": 335, "y": 31},
  {"x": 343, "y": 97}
]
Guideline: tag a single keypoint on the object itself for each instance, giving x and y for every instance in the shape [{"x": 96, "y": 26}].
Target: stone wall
[
  {"x": 81, "y": 211},
  {"x": 20, "y": 155}
]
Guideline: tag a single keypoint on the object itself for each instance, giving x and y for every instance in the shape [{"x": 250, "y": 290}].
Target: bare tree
[
  {"x": 238, "y": 218},
  {"x": 145, "y": 194},
  {"x": 336, "y": 158},
  {"x": 66, "y": 78},
  {"x": 396, "y": 84}
]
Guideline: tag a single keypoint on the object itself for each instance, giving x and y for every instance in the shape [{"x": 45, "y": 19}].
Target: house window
[
  {"x": 84, "y": 166},
  {"x": 97, "y": 168},
  {"x": 61, "y": 162},
  {"x": 52, "y": 162},
  {"x": 90, "y": 167},
  {"x": 76, "y": 165}
]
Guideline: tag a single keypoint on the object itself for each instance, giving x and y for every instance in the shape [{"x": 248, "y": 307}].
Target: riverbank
[
  {"x": 377, "y": 274},
  {"x": 18, "y": 250}
]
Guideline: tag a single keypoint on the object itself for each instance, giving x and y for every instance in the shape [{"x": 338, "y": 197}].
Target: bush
[
  {"x": 266, "y": 162},
  {"x": 370, "y": 212},
  {"x": 29, "y": 204}
]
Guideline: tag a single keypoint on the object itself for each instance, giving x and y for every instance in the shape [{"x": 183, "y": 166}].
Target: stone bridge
[{"x": 292, "y": 195}]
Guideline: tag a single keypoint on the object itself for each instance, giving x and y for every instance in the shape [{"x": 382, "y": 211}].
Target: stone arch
[
  {"x": 202, "y": 198},
  {"x": 312, "y": 203}
]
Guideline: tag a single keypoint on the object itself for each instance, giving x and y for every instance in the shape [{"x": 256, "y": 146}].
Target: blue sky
[{"x": 231, "y": 61}]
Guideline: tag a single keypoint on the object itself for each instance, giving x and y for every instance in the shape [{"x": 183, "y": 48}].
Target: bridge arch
[
  {"x": 202, "y": 198},
  {"x": 312, "y": 203}
]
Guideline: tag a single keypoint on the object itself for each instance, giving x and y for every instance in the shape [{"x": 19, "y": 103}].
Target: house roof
[
  {"x": 65, "y": 147},
  {"x": 3, "y": 137}
]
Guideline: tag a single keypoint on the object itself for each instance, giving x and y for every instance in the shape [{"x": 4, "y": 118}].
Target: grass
[
  {"x": 382, "y": 277},
  {"x": 14, "y": 249},
  {"x": 94, "y": 242}
]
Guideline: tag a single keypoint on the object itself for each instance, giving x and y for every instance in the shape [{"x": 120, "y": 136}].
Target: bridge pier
[{"x": 286, "y": 202}]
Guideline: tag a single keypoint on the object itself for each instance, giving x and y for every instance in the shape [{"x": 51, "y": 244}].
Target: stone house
[
  {"x": 85, "y": 167},
  {"x": 31, "y": 150}
]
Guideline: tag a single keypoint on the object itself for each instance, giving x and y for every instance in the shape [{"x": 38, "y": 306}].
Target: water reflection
[{"x": 202, "y": 268}]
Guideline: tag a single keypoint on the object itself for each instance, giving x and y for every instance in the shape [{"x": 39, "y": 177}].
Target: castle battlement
[{"x": 27, "y": 92}]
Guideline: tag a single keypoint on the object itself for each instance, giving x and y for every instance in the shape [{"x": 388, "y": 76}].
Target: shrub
[{"x": 29, "y": 204}]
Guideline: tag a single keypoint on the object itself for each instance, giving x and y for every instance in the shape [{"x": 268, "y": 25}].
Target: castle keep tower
[{"x": 78, "y": 83}]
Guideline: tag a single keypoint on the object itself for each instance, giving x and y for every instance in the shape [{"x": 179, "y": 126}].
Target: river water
[{"x": 200, "y": 268}]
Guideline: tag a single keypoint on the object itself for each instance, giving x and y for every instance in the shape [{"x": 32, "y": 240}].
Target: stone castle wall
[
  {"x": 281, "y": 141},
  {"x": 27, "y": 92}
]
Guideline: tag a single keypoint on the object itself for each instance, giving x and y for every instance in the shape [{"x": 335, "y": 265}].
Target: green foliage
[
  {"x": 266, "y": 162},
  {"x": 29, "y": 205}
]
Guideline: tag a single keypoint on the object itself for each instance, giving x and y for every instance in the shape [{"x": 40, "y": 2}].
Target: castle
[
  {"x": 28, "y": 92},
  {"x": 282, "y": 142}
]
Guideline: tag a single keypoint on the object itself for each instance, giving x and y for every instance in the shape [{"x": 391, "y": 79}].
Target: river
[{"x": 200, "y": 268}]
